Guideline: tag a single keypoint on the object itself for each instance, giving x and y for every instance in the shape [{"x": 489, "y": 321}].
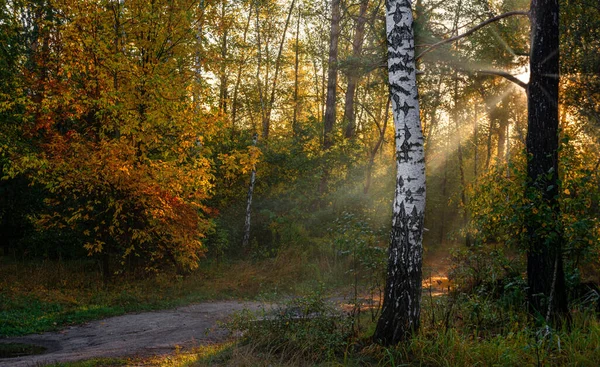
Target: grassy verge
[
  {"x": 282, "y": 342},
  {"x": 44, "y": 296}
]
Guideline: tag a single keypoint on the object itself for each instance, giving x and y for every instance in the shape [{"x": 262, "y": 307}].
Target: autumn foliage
[{"x": 116, "y": 129}]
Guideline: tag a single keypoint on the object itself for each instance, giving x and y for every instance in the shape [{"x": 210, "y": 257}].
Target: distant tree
[
  {"x": 353, "y": 74},
  {"x": 332, "y": 74}
]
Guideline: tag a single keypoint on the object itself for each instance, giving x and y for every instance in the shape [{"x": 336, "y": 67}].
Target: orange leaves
[
  {"x": 123, "y": 206},
  {"x": 113, "y": 111}
]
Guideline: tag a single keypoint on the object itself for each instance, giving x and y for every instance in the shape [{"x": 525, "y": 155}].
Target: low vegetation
[
  {"x": 479, "y": 318},
  {"x": 327, "y": 340},
  {"x": 47, "y": 295}
]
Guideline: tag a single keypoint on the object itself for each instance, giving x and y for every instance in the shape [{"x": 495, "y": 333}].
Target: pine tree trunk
[
  {"x": 400, "y": 314},
  {"x": 475, "y": 140},
  {"x": 459, "y": 153},
  {"x": 545, "y": 275},
  {"x": 376, "y": 148},
  {"x": 357, "y": 44},
  {"x": 223, "y": 96},
  {"x": 332, "y": 74},
  {"x": 488, "y": 156},
  {"x": 234, "y": 103},
  {"x": 442, "y": 239},
  {"x": 502, "y": 124},
  {"x": 329, "y": 118},
  {"x": 267, "y": 122},
  {"x": 296, "y": 73},
  {"x": 261, "y": 96}
]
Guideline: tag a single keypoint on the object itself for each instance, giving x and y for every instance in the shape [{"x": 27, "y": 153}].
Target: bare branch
[
  {"x": 503, "y": 74},
  {"x": 472, "y": 30}
]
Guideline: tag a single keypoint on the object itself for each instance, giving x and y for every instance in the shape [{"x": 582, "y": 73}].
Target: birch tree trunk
[
  {"x": 246, "y": 239},
  {"x": 401, "y": 311}
]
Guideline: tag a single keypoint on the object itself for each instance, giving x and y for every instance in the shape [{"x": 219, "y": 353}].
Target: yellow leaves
[
  {"x": 239, "y": 163},
  {"x": 535, "y": 211},
  {"x": 119, "y": 156},
  {"x": 94, "y": 247},
  {"x": 567, "y": 192}
]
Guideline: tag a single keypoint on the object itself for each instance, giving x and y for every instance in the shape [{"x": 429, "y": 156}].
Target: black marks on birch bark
[
  {"x": 401, "y": 307},
  {"x": 401, "y": 67},
  {"x": 397, "y": 88}
]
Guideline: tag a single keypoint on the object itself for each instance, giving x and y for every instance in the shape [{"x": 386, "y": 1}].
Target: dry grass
[{"x": 46, "y": 295}]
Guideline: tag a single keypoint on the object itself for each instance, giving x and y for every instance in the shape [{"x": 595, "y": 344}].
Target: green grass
[
  {"x": 434, "y": 346},
  {"x": 46, "y": 296},
  {"x": 465, "y": 330},
  {"x": 96, "y": 362}
]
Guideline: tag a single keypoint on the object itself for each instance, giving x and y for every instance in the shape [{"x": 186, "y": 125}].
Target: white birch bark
[
  {"x": 401, "y": 306},
  {"x": 246, "y": 239}
]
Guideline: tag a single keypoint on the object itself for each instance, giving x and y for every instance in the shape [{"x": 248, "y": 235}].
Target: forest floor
[
  {"x": 177, "y": 327},
  {"x": 148, "y": 334}
]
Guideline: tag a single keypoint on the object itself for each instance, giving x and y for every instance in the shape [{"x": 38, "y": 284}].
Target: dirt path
[
  {"x": 142, "y": 334},
  {"x": 153, "y": 333}
]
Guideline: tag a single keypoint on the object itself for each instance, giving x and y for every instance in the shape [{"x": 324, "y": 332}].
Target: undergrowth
[
  {"x": 307, "y": 331},
  {"x": 44, "y": 296},
  {"x": 320, "y": 338}
]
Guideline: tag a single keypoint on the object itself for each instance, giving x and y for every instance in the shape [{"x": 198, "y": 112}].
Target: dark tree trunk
[
  {"x": 105, "y": 266},
  {"x": 263, "y": 114},
  {"x": 357, "y": 44},
  {"x": 223, "y": 95},
  {"x": 488, "y": 156},
  {"x": 332, "y": 73},
  {"x": 545, "y": 276},
  {"x": 433, "y": 125},
  {"x": 444, "y": 195},
  {"x": 271, "y": 103},
  {"x": 501, "y": 153},
  {"x": 376, "y": 148},
  {"x": 296, "y": 72},
  {"x": 329, "y": 119},
  {"x": 475, "y": 140},
  {"x": 234, "y": 103},
  {"x": 459, "y": 151}
]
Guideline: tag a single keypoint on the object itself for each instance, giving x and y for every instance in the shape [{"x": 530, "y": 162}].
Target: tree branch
[
  {"x": 503, "y": 74},
  {"x": 472, "y": 30}
]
